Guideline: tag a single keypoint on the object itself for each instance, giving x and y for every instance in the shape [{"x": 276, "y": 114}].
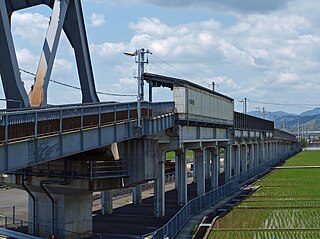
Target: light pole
[
  {"x": 263, "y": 112},
  {"x": 140, "y": 60}
]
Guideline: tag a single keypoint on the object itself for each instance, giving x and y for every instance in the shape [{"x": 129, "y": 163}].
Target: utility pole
[
  {"x": 298, "y": 128},
  {"x": 263, "y": 112},
  {"x": 213, "y": 86},
  {"x": 140, "y": 60},
  {"x": 244, "y": 101}
]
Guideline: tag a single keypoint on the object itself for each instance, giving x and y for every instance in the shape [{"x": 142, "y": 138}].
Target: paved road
[{"x": 17, "y": 198}]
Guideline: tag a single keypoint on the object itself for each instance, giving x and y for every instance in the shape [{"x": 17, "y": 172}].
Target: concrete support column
[
  {"x": 159, "y": 187},
  {"x": 62, "y": 216},
  {"x": 264, "y": 154},
  {"x": 238, "y": 159},
  {"x": 215, "y": 168},
  {"x": 256, "y": 155},
  {"x": 262, "y": 151},
  {"x": 233, "y": 160},
  {"x": 200, "y": 172},
  {"x": 227, "y": 163},
  {"x": 194, "y": 167},
  {"x": 244, "y": 158},
  {"x": 106, "y": 202},
  {"x": 182, "y": 178},
  {"x": 137, "y": 195},
  {"x": 272, "y": 150},
  {"x": 252, "y": 156},
  {"x": 207, "y": 163},
  {"x": 176, "y": 179}
]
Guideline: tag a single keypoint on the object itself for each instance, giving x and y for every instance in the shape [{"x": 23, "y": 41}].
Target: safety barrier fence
[
  {"x": 177, "y": 222},
  {"x": 26, "y": 227},
  {"x": 191, "y": 208},
  {"x": 37, "y": 122},
  {"x": 197, "y": 204}
]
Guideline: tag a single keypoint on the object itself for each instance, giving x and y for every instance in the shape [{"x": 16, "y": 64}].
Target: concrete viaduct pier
[
  {"x": 73, "y": 151},
  {"x": 60, "y": 155}
]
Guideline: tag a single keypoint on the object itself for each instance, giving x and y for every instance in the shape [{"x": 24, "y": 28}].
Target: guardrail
[
  {"x": 191, "y": 208},
  {"x": 37, "y": 122},
  {"x": 88, "y": 170},
  {"x": 244, "y": 121},
  {"x": 197, "y": 204},
  {"x": 22, "y": 226}
]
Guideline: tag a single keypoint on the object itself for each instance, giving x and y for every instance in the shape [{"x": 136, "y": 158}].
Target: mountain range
[{"x": 308, "y": 120}]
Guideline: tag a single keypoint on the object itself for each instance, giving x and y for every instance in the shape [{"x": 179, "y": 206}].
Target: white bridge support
[
  {"x": 200, "y": 171},
  {"x": 215, "y": 168},
  {"x": 182, "y": 178},
  {"x": 62, "y": 215},
  {"x": 107, "y": 202}
]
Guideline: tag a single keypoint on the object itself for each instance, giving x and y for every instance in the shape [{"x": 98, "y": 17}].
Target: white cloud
[
  {"x": 287, "y": 77},
  {"x": 62, "y": 67},
  {"x": 30, "y": 27},
  {"x": 269, "y": 48},
  {"x": 261, "y": 6},
  {"x": 25, "y": 57},
  {"x": 97, "y": 20},
  {"x": 108, "y": 50}
]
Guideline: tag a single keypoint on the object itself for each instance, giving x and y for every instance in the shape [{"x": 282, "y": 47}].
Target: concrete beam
[
  {"x": 159, "y": 187},
  {"x": 107, "y": 202},
  {"x": 63, "y": 216},
  {"x": 137, "y": 195},
  {"x": 215, "y": 168},
  {"x": 227, "y": 163},
  {"x": 199, "y": 171},
  {"x": 182, "y": 178}
]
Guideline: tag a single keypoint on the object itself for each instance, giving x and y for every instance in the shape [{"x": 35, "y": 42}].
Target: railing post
[
  {"x": 6, "y": 129},
  {"x": 13, "y": 214},
  {"x": 36, "y": 124},
  {"x": 99, "y": 120},
  {"x": 81, "y": 121},
  {"x": 60, "y": 121},
  {"x": 91, "y": 170}
]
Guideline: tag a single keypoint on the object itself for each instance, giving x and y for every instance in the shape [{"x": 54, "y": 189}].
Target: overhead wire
[
  {"x": 172, "y": 66},
  {"x": 285, "y": 104},
  {"x": 78, "y": 88}
]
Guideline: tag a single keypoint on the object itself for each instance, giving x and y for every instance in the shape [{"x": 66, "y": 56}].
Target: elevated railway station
[{"x": 62, "y": 154}]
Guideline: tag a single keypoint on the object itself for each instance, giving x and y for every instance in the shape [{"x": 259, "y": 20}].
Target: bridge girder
[{"x": 66, "y": 15}]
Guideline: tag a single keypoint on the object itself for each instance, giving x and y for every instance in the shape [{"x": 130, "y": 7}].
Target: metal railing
[
  {"x": 92, "y": 169},
  {"x": 197, "y": 204},
  {"x": 37, "y": 122},
  {"x": 191, "y": 208},
  {"x": 23, "y": 226},
  {"x": 108, "y": 169},
  {"x": 244, "y": 121}
]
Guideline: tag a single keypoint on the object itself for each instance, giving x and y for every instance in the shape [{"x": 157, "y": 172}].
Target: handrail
[
  {"x": 144, "y": 104},
  {"x": 33, "y": 123},
  {"x": 190, "y": 209},
  {"x": 170, "y": 229}
]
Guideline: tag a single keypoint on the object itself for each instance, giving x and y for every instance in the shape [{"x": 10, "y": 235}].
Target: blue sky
[{"x": 265, "y": 50}]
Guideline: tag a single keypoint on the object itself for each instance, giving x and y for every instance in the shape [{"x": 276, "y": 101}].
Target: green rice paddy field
[{"x": 287, "y": 205}]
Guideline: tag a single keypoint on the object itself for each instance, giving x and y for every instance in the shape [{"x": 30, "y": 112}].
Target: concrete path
[{"x": 295, "y": 167}]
